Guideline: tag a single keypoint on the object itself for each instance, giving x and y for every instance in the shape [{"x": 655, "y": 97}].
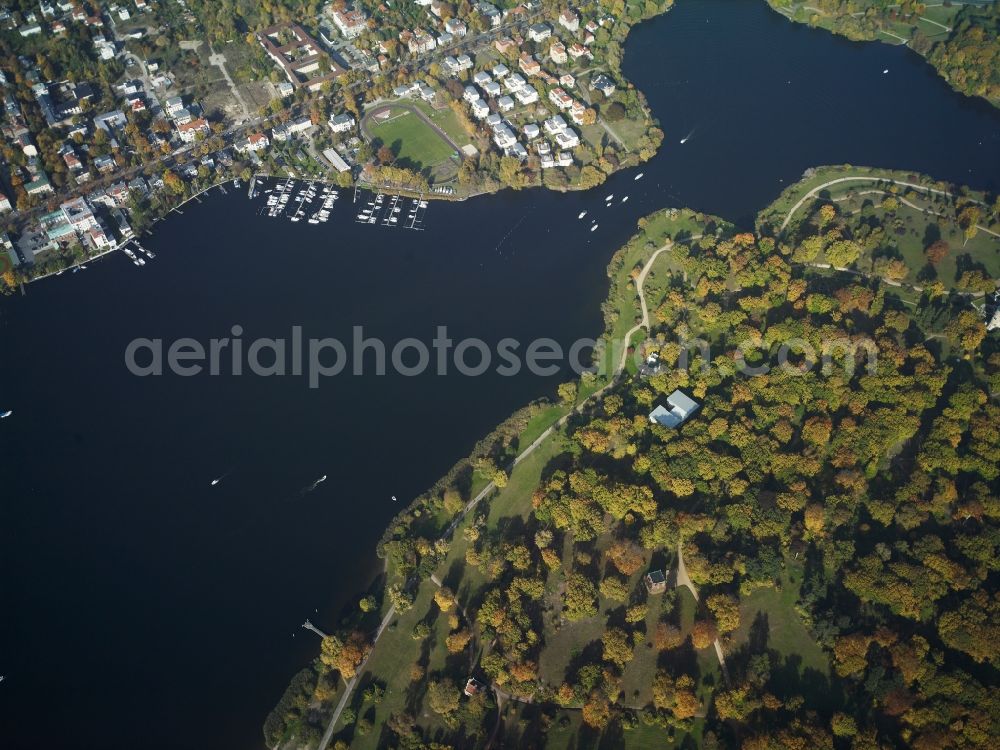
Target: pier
[{"x": 309, "y": 626}]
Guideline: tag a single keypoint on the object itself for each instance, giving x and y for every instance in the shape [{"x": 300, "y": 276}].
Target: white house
[
  {"x": 342, "y": 123},
  {"x": 569, "y": 20},
  {"x": 526, "y": 96},
  {"x": 505, "y": 103},
  {"x": 504, "y": 137},
  {"x": 567, "y": 139},
  {"x": 539, "y": 32},
  {"x": 481, "y": 78},
  {"x": 492, "y": 89},
  {"x": 456, "y": 27},
  {"x": 555, "y": 124},
  {"x": 480, "y": 109},
  {"x": 350, "y": 23},
  {"x": 470, "y": 94},
  {"x": 532, "y": 131},
  {"x": 681, "y": 408},
  {"x": 500, "y": 70}
]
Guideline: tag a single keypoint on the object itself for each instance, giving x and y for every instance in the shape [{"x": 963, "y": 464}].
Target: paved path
[
  {"x": 868, "y": 178},
  {"x": 683, "y": 579}
]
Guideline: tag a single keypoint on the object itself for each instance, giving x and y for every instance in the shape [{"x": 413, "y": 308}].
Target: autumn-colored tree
[
  {"x": 703, "y": 633},
  {"x": 667, "y": 636},
  {"x": 726, "y": 609},
  {"x": 597, "y": 711},
  {"x": 344, "y": 655},
  {"x": 444, "y": 598},
  {"x": 627, "y": 556},
  {"x": 617, "y": 647},
  {"x": 456, "y": 642},
  {"x": 936, "y": 252}
]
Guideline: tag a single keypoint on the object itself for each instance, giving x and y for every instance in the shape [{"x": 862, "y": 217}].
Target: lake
[{"x": 144, "y": 607}]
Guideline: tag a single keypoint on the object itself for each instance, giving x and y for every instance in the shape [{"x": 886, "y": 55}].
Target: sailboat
[{"x": 6, "y": 414}]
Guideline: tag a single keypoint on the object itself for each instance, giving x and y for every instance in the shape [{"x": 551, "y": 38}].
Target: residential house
[
  {"x": 420, "y": 41},
  {"x": 505, "y": 46},
  {"x": 4, "y": 203},
  {"x": 426, "y": 93},
  {"x": 529, "y": 65},
  {"x": 342, "y": 123},
  {"x": 456, "y": 27},
  {"x": 526, "y": 96},
  {"x": 188, "y": 131},
  {"x": 567, "y": 80},
  {"x": 500, "y": 70},
  {"x": 254, "y": 143},
  {"x": 681, "y": 407},
  {"x": 350, "y": 23},
  {"x": 505, "y": 103},
  {"x": 492, "y": 89},
  {"x": 290, "y": 128},
  {"x": 539, "y": 32},
  {"x": 576, "y": 112},
  {"x": 560, "y": 98},
  {"x": 577, "y": 50},
  {"x": 569, "y": 20},
  {"x": 554, "y": 125},
  {"x": 567, "y": 139},
  {"x": 531, "y": 131},
  {"x": 481, "y": 78},
  {"x": 480, "y": 109},
  {"x": 515, "y": 83},
  {"x": 470, "y": 95},
  {"x": 603, "y": 84},
  {"x": 557, "y": 52}
]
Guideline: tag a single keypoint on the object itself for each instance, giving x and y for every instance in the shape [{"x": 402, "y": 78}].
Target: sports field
[{"x": 415, "y": 143}]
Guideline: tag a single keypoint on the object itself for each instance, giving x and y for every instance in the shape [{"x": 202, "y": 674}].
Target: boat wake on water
[
  {"x": 686, "y": 138},
  {"x": 313, "y": 486}
]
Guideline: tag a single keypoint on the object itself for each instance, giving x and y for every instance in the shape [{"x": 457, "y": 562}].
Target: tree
[
  {"x": 626, "y": 556},
  {"x": 667, "y": 636},
  {"x": 617, "y": 648},
  {"x": 581, "y": 597},
  {"x": 445, "y": 598},
  {"x": 456, "y": 642},
  {"x": 443, "y": 697},
  {"x": 567, "y": 392},
  {"x": 937, "y": 251},
  {"x": 726, "y": 609},
  {"x": 597, "y": 711},
  {"x": 703, "y": 634},
  {"x": 344, "y": 655}
]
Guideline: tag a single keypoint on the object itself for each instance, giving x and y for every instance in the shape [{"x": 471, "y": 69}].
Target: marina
[{"x": 315, "y": 202}]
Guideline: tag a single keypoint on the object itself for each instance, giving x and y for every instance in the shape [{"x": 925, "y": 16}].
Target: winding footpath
[
  {"x": 491, "y": 486},
  {"x": 867, "y": 178}
]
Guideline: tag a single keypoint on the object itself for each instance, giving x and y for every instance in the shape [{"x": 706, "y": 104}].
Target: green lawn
[
  {"x": 787, "y": 633},
  {"x": 413, "y": 141},
  {"x": 446, "y": 120}
]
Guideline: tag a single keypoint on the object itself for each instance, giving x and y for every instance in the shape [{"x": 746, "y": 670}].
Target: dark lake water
[{"x": 143, "y": 608}]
